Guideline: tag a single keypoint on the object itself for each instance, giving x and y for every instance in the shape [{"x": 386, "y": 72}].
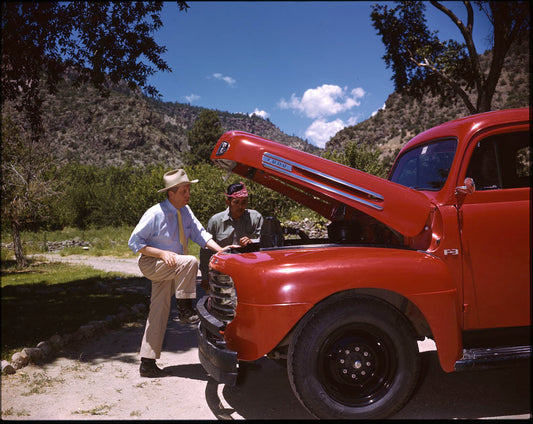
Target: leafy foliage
[
  {"x": 363, "y": 157},
  {"x": 202, "y": 137},
  {"x": 422, "y": 63},
  {"x": 208, "y": 194},
  {"x": 111, "y": 196},
  {"x": 96, "y": 197},
  {"x": 94, "y": 41},
  {"x": 23, "y": 164},
  {"x": 27, "y": 182}
]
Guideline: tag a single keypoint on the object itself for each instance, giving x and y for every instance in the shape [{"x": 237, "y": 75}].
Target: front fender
[{"x": 275, "y": 288}]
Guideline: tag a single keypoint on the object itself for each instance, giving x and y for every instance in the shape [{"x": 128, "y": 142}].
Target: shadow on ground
[
  {"x": 266, "y": 394},
  {"x": 34, "y": 313}
]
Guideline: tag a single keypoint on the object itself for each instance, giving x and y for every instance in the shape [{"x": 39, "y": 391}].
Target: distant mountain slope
[
  {"x": 403, "y": 117},
  {"x": 127, "y": 126},
  {"x": 85, "y": 127}
]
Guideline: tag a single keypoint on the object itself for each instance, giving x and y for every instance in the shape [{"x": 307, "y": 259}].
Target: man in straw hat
[{"x": 161, "y": 237}]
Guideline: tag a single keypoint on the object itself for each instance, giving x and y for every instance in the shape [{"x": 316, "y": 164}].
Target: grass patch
[
  {"x": 57, "y": 298},
  {"x": 48, "y": 273},
  {"x": 102, "y": 241},
  {"x": 108, "y": 241}
]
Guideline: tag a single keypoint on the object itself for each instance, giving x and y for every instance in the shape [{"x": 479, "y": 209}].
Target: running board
[{"x": 482, "y": 358}]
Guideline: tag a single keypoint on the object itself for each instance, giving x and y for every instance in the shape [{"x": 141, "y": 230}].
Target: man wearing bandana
[{"x": 234, "y": 226}]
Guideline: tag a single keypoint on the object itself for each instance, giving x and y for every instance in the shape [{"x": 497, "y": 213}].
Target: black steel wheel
[{"x": 353, "y": 357}]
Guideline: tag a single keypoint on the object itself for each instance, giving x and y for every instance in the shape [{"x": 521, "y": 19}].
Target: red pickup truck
[{"x": 440, "y": 249}]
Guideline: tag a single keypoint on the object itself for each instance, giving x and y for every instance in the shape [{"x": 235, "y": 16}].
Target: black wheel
[{"x": 353, "y": 357}]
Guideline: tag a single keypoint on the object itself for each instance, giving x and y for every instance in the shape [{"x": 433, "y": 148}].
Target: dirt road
[
  {"x": 104, "y": 263},
  {"x": 99, "y": 379}
]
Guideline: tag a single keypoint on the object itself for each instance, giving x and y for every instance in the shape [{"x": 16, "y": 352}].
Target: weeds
[
  {"x": 11, "y": 412},
  {"x": 40, "y": 382},
  {"x": 103, "y": 409},
  {"x": 81, "y": 369}
]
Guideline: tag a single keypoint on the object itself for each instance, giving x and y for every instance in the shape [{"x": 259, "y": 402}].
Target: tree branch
[
  {"x": 456, "y": 87},
  {"x": 467, "y": 35}
]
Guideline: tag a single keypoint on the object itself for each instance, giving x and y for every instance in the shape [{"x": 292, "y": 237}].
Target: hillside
[
  {"x": 127, "y": 126},
  {"x": 403, "y": 117}
]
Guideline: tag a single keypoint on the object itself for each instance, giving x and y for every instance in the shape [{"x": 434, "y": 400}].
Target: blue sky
[{"x": 311, "y": 67}]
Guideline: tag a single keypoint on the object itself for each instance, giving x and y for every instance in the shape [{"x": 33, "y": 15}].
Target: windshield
[{"x": 425, "y": 167}]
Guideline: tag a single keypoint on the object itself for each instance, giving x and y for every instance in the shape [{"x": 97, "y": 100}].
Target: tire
[{"x": 353, "y": 358}]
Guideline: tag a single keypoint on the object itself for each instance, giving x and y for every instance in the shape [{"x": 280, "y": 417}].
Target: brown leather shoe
[
  {"x": 149, "y": 369},
  {"x": 186, "y": 312}
]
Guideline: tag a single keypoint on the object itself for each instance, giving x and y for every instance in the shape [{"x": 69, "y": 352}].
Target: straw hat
[{"x": 175, "y": 178}]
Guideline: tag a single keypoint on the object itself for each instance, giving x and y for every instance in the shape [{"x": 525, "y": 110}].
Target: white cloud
[
  {"x": 321, "y": 131},
  {"x": 352, "y": 120},
  {"x": 376, "y": 111},
  {"x": 261, "y": 113},
  {"x": 191, "y": 98},
  {"x": 323, "y": 101},
  {"x": 230, "y": 81}
]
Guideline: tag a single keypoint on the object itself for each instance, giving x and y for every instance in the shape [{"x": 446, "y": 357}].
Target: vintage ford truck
[{"x": 440, "y": 249}]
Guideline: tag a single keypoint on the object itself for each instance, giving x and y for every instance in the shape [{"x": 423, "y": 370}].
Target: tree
[
  {"x": 96, "y": 42},
  {"x": 363, "y": 157},
  {"x": 44, "y": 43},
  {"x": 422, "y": 63},
  {"x": 202, "y": 137},
  {"x": 27, "y": 182}
]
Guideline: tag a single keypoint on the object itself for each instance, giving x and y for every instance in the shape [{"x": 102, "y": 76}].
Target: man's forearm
[{"x": 154, "y": 252}]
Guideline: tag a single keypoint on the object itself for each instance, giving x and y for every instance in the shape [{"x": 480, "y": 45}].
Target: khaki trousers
[{"x": 180, "y": 281}]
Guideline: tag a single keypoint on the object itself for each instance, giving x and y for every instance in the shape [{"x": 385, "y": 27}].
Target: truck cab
[{"x": 440, "y": 249}]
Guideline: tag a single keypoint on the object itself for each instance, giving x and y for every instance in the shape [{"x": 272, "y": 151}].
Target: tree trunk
[{"x": 22, "y": 262}]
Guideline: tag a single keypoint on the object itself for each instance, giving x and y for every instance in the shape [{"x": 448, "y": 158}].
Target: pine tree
[{"x": 202, "y": 137}]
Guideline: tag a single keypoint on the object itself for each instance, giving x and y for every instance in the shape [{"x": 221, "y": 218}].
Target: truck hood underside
[{"x": 324, "y": 186}]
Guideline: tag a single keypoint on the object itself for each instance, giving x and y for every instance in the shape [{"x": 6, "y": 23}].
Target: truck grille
[{"x": 223, "y": 298}]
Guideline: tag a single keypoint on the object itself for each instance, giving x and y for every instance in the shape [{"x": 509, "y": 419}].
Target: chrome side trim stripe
[{"x": 285, "y": 166}]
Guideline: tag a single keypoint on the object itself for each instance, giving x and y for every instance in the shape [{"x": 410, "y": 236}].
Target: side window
[
  {"x": 501, "y": 161},
  {"x": 523, "y": 164},
  {"x": 483, "y": 167},
  {"x": 425, "y": 167}
]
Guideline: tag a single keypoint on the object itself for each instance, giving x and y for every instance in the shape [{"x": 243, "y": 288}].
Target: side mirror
[{"x": 469, "y": 187}]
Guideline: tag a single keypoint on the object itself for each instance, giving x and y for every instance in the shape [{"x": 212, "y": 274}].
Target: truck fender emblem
[
  {"x": 276, "y": 163},
  {"x": 452, "y": 252},
  {"x": 224, "y": 146}
]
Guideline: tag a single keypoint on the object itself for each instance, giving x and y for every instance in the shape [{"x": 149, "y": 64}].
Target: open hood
[{"x": 324, "y": 186}]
